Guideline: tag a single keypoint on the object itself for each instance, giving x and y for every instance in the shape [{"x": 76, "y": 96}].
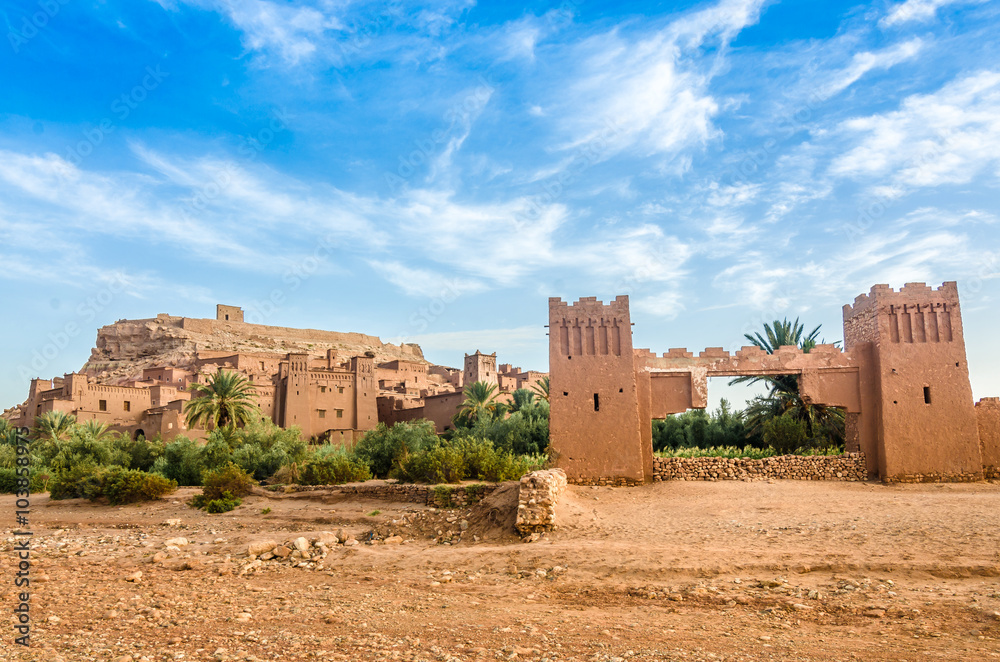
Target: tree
[
  {"x": 226, "y": 400},
  {"x": 480, "y": 404},
  {"x": 522, "y": 398},
  {"x": 541, "y": 388},
  {"x": 54, "y": 425},
  {"x": 94, "y": 429},
  {"x": 783, "y": 390}
]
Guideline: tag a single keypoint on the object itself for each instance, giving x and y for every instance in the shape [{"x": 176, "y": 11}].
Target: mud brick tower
[
  {"x": 594, "y": 419},
  {"x": 920, "y": 419}
]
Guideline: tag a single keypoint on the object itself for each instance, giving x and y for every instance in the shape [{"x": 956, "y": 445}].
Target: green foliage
[
  {"x": 521, "y": 398},
  {"x": 265, "y": 511},
  {"x": 224, "y": 505},
  {"x": 785, "y": 434},
  {"x": 385, "y": 448},
  {"x": 480, "y": 404},
  {"x": 118, "y": 484},
  {"x": 226, "y": 399},
  {"x": 53, "y": 425},
  {"x": 229, "y": 479},
  {"x": 748, "y": 452},
  {"x": 182, "y": 461},
  {"x": 82, "y": 447},
  {"x": 442, "y": 496},
  {"x": 526, "y": 431},
  {"x": 130, "y": 485},
  {"x": 474, "y": 493},
  {"x": 141, "y": 453},
  {"x": 466, "y": 458},
  {"x": 332, "y": 465},
  {"x": 698, "y": 429}
]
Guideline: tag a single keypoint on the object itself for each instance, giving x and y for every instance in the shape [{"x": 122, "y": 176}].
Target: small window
[
  {"x": 227, "y": 318},
  {"x": 340, "y": 389},
  {"x": 322, "y": 413},
  {"x": 261, "y": 365},
  {"x": 340, "y": 413},
  {"x": 102, "y": 405},
  {"x": 927, "y": 395},
  {"x": 127, "y": 406},
  {"x": 322, "y": 389},
  {"x": 597, "y": 403}
]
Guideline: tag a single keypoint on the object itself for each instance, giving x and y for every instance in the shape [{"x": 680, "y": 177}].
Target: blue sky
[{"x": 434, "y": 173}]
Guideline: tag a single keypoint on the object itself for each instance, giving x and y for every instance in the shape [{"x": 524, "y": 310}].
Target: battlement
[
  {"x": 909, "y": 293},
  {"x": 590, "y": 303}
]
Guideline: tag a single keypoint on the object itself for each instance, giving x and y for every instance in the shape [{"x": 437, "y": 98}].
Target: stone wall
[
  {"x": 442, "y": 496},
  {"x": 536, "y": 508},
  {"x": 850, "y": 466}
]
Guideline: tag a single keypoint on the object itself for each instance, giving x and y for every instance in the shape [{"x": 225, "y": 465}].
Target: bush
[
  {"x": 440, "y": 464},
  {"x": 118, "y": 484},
  {"x": 139, "y": 453},
  {"x": 229, "y": 479},
  {"x": 385, "y": 448},
  {"x": 131, "y": 485},
  {"x": 526, "y": 431},
  {"x": 182, "y": 461},
  {"x": 224, "y": 505},
  {"x": 784, "y": 434},
  {"x": 465, "y": 458},
  {"x": 333, "y": 467}
]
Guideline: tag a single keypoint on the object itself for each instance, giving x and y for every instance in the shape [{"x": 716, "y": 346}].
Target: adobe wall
[
  {"x": 594, "y": 425},
  {"x": 988, "y": 421}
]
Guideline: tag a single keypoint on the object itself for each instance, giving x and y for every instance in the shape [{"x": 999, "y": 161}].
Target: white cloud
[
  {"x": 862, "y": 63},
  {"x": 917, "y": 10},
  {"x": 947, "y": 137},
  {"x": 425, "y": 283}
]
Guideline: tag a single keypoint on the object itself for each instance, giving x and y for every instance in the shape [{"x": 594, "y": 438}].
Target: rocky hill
[{"x": 125, "y": 348}]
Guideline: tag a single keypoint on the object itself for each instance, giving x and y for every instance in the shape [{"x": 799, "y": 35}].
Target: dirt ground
[{"x": 671, "y": 571}]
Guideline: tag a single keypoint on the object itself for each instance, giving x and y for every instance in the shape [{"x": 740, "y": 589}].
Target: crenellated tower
[
  {"x": 920, "y": 423},
  {"x": 594, "y": 417}
]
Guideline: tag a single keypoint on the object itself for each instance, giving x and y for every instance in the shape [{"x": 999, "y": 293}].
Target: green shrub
[
  {"x": 385, "y": 448},
  {"x": 83, "y": 481},
  {"x": 229, "y": 479},
  {"x": 440, "y": 464},
  {"x": 333, "y": 467},
  {"x": 748, "y": 452},
  {"x": 117, "y": 484},
  {"x": 131, "y": 485},
  {"x": 784, "y": 434},
  {"x": 224, "y": 505},
  {"x": 181, "y": 461},
  {"x": 465, "y": 458},
  {"x": 140, "y": 453},
  {"x": 8, "y": 480}
]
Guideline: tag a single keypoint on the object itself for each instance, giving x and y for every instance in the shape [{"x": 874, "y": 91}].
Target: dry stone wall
[
  {"x": 441, "y": 496},
  {"x": 850, "y": 467},
  {"x": 536, "y": 508}
]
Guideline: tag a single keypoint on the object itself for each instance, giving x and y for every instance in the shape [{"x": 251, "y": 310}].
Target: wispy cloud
[{"x": 918, "y": 11}]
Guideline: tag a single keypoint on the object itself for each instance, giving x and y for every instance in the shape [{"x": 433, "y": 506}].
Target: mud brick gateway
[{"x": 902, "y": 379}]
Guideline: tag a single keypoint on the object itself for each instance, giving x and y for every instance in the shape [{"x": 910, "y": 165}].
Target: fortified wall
[{"x": 902, "y": 380}]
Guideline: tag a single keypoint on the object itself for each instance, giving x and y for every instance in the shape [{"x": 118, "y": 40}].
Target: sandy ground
[{"x": 670, "y": 571}]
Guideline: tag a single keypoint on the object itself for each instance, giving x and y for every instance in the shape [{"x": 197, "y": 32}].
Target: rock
[
  {"x": 258, "y": 547},
  {"x": 172, "y": 522},
  {"x": 798, "y": 606},
  {"x": 135, "y": 576},
  {"x": 179, "y": 542},
  {"x": 281, "y": 552},
  {"x": 301, "y": 544},
  {"x": 874, "y": 613},
  {"x": 341, "y": 536},
  {"x": 160, "y": 557},
  {"x": 327, "y": 538},
  {"x": 351, "y": 542},
  {"x": 393, "y": 540}
]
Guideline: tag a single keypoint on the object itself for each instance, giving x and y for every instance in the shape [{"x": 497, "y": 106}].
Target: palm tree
[
  {"x": 783, "y": 390},
  {"x": 480, "y": 404},
  {"x": 54, "y": 425},
  {"x": 522, "y": 398},
  {"x": 541, "y": 388},
  {"x": 226, "y": 399},
  {"x": 94, "y": 429}
]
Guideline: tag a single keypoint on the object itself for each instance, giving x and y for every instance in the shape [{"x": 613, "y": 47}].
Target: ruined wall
[
  {"x": 228, "y": 313},
  {"x": 537, "y": 496},
  {"x": 988, "y": 420},
  {"x": 849, "y": 467},
  {"x": 594, "y": 424},
  {"x": 441, "y": 496},
  {"x": 923, "y": 409}
]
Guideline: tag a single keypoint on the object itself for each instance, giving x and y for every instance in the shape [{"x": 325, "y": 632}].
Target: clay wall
[
  {"x": 440, "y": 409},
  {"x": 480, "y": 367},
  {"x": 988, "y": 422},
  {"x": 228, "y": 313}
]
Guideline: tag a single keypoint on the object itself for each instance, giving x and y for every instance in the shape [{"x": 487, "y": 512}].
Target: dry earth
[{"x": 671, "y": 571}]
